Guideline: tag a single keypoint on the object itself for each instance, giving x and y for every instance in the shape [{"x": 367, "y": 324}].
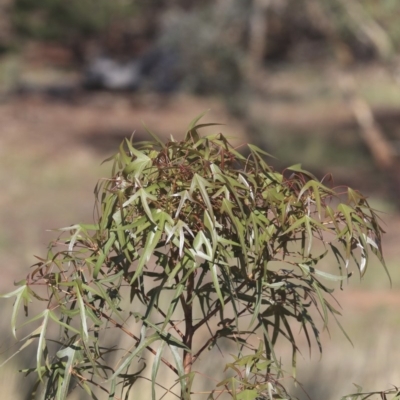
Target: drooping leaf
[
  {"x": 154, "y": 371},
  {"x": 42, "y": 342},
  {"x": 70, "y": 352}
]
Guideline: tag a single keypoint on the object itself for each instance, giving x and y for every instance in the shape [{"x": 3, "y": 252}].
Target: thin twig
[
  {"x": 177, "y": 330},
  {"x": 215, "y": 336},
  {"x": 93, "y": 383},
  {"x": 129, "y": 333},
  {"x": 161, "y": 386}
]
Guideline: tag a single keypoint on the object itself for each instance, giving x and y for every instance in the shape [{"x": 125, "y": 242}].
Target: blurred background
[{"x": 315, "y": 82}]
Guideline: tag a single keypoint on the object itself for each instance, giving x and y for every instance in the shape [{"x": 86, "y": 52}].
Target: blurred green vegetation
[
  {"x": 293, "y": 31},
  {"x": 59, "y": 20}
]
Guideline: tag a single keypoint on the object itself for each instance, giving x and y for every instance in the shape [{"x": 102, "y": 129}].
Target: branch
[
  {"x": 213, "y": 337},
  {"x": 118, "y": 325},
  {"x": 187, "y": 306},
  {"x": 380, "y": 148}
]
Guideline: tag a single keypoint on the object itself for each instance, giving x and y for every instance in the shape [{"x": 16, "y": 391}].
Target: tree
[{"x": 194, "y": 247}]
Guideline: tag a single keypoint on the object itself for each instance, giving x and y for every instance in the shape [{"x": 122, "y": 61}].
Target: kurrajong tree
[{"x": 195, "y": 247}]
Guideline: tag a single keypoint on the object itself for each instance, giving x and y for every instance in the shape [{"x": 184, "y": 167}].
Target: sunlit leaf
[
  {"x": 248, "y": 394},
  {"x": 70, "y": 352},
  {"x": 42, "y": 342},
  {"x": 181, "y": 371},
  {"x": 154, "y": 371}
]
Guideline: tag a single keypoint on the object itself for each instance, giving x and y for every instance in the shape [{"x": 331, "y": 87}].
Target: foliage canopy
[{"x": 194, "y": 246}]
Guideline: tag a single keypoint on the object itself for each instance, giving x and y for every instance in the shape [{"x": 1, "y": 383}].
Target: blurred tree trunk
[
  {"x": 381, "y": 150},
  {"x": 258, "y": 37},
  {"x": 5, "y": 23},
  {"x": 369, "y": 28},
  {"x": 258, "y": 31}
]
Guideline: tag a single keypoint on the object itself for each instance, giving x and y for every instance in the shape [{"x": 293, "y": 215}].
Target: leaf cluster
[{"x": 191, "y": 237}]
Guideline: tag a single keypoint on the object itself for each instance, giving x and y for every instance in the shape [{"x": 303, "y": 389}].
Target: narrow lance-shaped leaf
[
  {"x": 247, "y": 394},
  {"x": 70, "y": 353},
  {"x": 19, "y": 293},
  {"x": 197, "y": 119},
  {"x": 82, "y": 309},
  {"x": 42, "y": 343},
  {"x": 214, "y": 275},
  {"x": 152, "y": 240},
  {"x": 154, "y": 370},
  {"x": 259, "y": 293},
  {"x": 181, "y": 370},
  {"x": 202, "y": 185},
  {"x": 325, "y": 275},
  {"x": 103, "y": 254},
  {"x": 28, "y": 340},
  {"x": 317, "y": 189},
  {"x": 179, "y": 290}
]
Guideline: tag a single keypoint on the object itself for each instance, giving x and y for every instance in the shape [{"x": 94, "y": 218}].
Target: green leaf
[
  {"x": 143, "y": 195},
  {"x": 16, "y": 292},
  {"x": 28, "y": 340},
  {"x": 257, "y": 150},
  {"x": 108, "y": 208},
  {"x": 259, "y": 292},
  {"x": 179, "y": 290},
  {"x": 184, "y": 195},
  {"x": 70, "y": 352},
  {"x": 181, "y": 370},
  {"x": 21, "y": 294},
  {"x": 141, "y": 162},
  {"x": 293, "y": 342},
  {"x": 154, "y": 370},
  {"x": 298, "y": 168},
  {"x": 178, "y": 230},
  {"x": 326, "y": 275},
  {"x": 85, "y": 334},
  {"x": 202, "y": 184},
  {"x": 347, "y": 212},
  {"x": 112, "y": 389},
  {"x": 152, "y": 241},
  {"x": 248, "y": 394},
  {"x": 217, "y": 288},
  {"x": 339, "y": 324},
  {"x": 228, "y": 208},
  {"x": 170, "y": 339},
  {"x": 154, "y": 136},
  {"x": 198, "y": 243},
  {"x": 109, "y": 302},
  {"x": 197, "y": 119},
  {"x": 104, "y": 253},
  {"x": 64, "y": 325},
  {"x": 317, "y": 189},
  {"x": 299, "y": 222},
  {"x": 42, "y": 343},
  {"x": 322, "y": 302}
]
